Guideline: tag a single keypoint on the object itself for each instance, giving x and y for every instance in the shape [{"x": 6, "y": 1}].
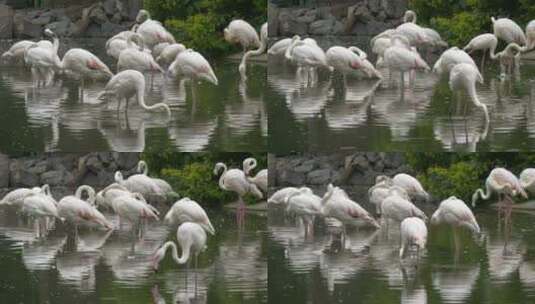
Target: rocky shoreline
[
  {"x": 101, "y": 19},
  {"x": 64, "y": 172}
]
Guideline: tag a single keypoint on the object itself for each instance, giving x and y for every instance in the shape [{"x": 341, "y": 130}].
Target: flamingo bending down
[
  {"x": 134, "y": 208},
  {"x": 507, "y": 58},
  {"x": 43, "y": 59},
  {"x": 502, "y": 182},
  {"x": 168, "y": 54},
  {"x": 260, "y": 179},
  {"x": 164, "y": 186},
  {"x": 345, "y": 61},
  {"x": 450, "y": 58},
  {"x": 527, "y": 180},
  {"x": 337, "y": 204},
  {"x": 191, "y": 238},
  {"x": 16, "y": 51},
  {"x": 241, "y": 32},
  {"x": 397, "y": 208},
  {"x": 307, "y": 55},
  {"x": 83, "y": 64},
  {"x": 530, "y": 36},
  {"x": 280, "y": 195},
  {"x": 261, "y": 49},
  {"x": 411, "y": 185},
  {"x": 483, "y": 43},
  {"x": 75, "y": 210},
  {"x": 157, "y": 49},
  {"x": 413, "y": 233},
  {"x": 40, "y": 205},
  {"x": 16, "y": 197},
  {"x": 192, "y": 65},
  {"x": 507, "y": 30},
  {"x": 379, "y": 192},
  {"x": 105, "y": 196},
  {"x": 305, "y": 205},
  {"x": 187, "y": 210},
  {"x": 463, "y": 76},
  {"x": 125, "y": 85},
  {"x": 132, "y": 58},
  {"x": 453, "y": 211},
  {"x": 235, "y": 180}
]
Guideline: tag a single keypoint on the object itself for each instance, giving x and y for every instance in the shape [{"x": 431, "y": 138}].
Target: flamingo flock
[
  {"x": 394, "y": 199},
  {"x": 134, "y": 200},
  {"x": 147, "y": 48},
  {"x": 397, "y": 50}
]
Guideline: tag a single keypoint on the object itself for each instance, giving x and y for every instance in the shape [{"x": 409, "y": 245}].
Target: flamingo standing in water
[
  {"x": 450, "y": 58},
  {"x": 379, "y": 192},
  {"x": 168, "y": 54},
  {"x": 509, "y": 31},
  {"x": 125, "y": 85},
  {"x": 397, "y": 208},
  {"x": 453, "y": 211},
  {"x": 83, "y": 64},
  {"x": 400, "y": 58},
  {"x": 188, "y": 210},
  {"x": 483, "y": 43},
  {"x": 280, "y": 195},
  {"x": 139, "y": 183},
  {"x": 261, "y": 49},
  {"x": 40, "y": 205},
  {"x": 192, "y": 65},
  {"x": 235, "y": 180},
  {"x": 345, "y": 61},
  {"x": 307, "y": 55},
  {"x": 133, "y": 208},
  {"x": 530, "y": 36},
  {"x": 279, "y": 48},
  {"x": 463, "y": 76},
  {"x": 164, "y": 186},
  {"x": 260, "y": 179},
  {"x": 43, "y": 59},
  {"x": 413, "y": 233},
  {"x": 241, "y": 32},
  {"x": 305, "y": 205},
  {"x": 16, "y": 51},
  {"x": 16, "y": 197},
  {"x": 75, "y": 210}
]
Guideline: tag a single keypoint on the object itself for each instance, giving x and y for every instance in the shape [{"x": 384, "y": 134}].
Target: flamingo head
[
  {"x": 157, "y": 257},
  {"x": 49, "y": 33},
  {"x": 118, "y": 177},
  {"x": 142, "y": 16},
  {"x": 420, "y": 241},
  {"x": 104, "y": 95},
  {"x": 218, "y": 168}
]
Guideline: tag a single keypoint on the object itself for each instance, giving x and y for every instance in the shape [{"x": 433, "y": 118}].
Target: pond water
[
  {"x": 227, "y": 117},
  {"x": 374, "y": 116},
  {"x": 368, "y": 270},
  {"x": 102, "y": 267}
]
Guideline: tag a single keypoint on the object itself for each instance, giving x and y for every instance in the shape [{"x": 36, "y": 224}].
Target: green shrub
[
  {"x": 196, "y": 181},
  {"x": 461, "y": 180}
]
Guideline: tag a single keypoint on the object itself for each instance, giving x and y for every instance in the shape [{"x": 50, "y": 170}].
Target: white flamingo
[
  {"x": 379, "y": 192},
  {"x": 397, "y": 208},
  {"x": 450, "y": 58},
  {"x": 260, "y": 179},
  {"x": 530, "y": 35},
  {"x": 168, "y": 54},
  {"x": 40, "y": 206},
  {"x": 463, "y": 76},
  {"x": 188, "y": 210},
  {"x": 483, "y": 43},
  {"x": 16, "y": 197},
  {"x": 75, "y": 210},
  {"x": 241, "y": 32},
  {"x": 507, "y": 30},
  {"x": 192, "y": 65},
  {"x": 502, "y": 182},
  {"x": 507, "y": 58},
  {"x": 125, "y": 85},
  {"x": 106, "y": 196},
  {"x": 120, "y": 42},
  {"x": 411, "y": 185},
  {"x": 261, "y": 49},
  {"x": 235, "y": 180},
  {"x": 152, "y": 31},
  {"x": 337, "y": 204},
  {"x": 158, "y": 49},
  {"x": 279, "y": 48},
  {"x": 433, "y": 37},
  {"x": 305, "y": 205},
  {"x": 308, "y": 56},
  {"x": 191, "y": 238},
  {"x": 527, "y": 180},
  {"x": 453, "y": 211},
  {"x": 165, "y": 187},
  {"x": 132, "y": 58},
  {"x": 16, "y": 51},
  {"x": 139, "y": 183},
  {"x": 413, "y": 233},
  {"x": 83, "y": 64},
  {"x": 345, "y": 61},
  {"x": 280, "y": 195},
  {"x": 133, "y": 208},
  {"x": 43, "y": 59},
  {"x": 399, "y": 58}
]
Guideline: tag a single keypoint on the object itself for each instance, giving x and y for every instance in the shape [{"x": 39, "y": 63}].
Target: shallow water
[
  {"x": 227, "y": 117},
  {"x": 368, "y": 270},
  {"x": 115, "y": 267},
  {"x": 377, "y": 117}
]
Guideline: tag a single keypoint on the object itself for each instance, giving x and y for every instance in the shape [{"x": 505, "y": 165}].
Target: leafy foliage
[
  {"x": 199, "y": 24},
  {"x": 459, "y": 21}
]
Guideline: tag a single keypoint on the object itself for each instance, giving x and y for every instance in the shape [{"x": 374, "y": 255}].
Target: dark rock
[
  {"x": 56, "y": 177},
  {"x": 23, "y": 178},
  {"x": 273, "y": 14},
  {"x": 381, "y": 16},
  {"x": 6, "y": 22},
  {"x": 42, "y": 19},
  {"x": 98, "y": 15},
  {"x": 306, "y": 16},
  {"x": 29, "y": 29},
  {"x": 61, "y": 28},
  {"x": 291, "y": 178},
  {"x": 93, "y": 164},
  {"x": 4, "y": 167},
  {"x": 109, "y": 7},
  {"x": 319, "y": 177},
  {"x": 395, "y": 9},
  {"x": 362, "y": 13},
  {"x": 117, "y": 18},
  {"x": 110, "y": 29},
  {"x": 374, "y": 6},
  {"x": 321, "y": 27},
  {"x": 338, "y": 28},
  {"x": 288, "y": 26},
  {"x": 127, "y": 161},
  {"x": 39, "y": 167}
]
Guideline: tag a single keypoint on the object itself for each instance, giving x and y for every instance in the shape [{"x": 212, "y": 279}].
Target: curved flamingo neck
[
  {"x": 140, "y": 92},
  {"x": 174, "y": 251},
  {"x": 473, "y": 94},
  {"x": 222, "y": 177}
]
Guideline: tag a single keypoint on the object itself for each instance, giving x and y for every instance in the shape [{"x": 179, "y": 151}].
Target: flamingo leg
[
  {"x": 196, "y": 269},
  {"x": 483, "y": 61}
]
